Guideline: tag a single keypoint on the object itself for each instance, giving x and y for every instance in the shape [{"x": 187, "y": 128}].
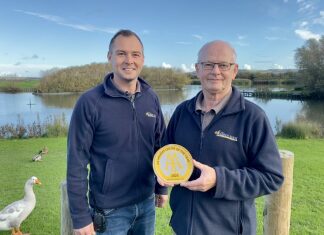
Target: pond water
[{"x": 28, "y": 108}]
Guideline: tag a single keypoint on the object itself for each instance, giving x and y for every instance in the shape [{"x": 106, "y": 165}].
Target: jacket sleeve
[
  {"x": 78, "y": 155},
  {"x": 263, "y": 174},
  {"x": 159, "y": 136}
]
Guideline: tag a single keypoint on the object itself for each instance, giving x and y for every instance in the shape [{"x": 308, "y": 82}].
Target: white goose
[{"x": 14, "y": 214}]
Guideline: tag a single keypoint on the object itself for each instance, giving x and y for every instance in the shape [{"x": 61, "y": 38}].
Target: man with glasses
[{"x": 235, "y": 152}]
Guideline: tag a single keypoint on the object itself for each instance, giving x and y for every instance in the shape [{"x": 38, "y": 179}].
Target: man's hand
[
  {"x": 162, "y": 183},
  {"x": 161, "y": 200},
  {"x": 87, "y": 230},
  {"x": 206, "y": 180}
]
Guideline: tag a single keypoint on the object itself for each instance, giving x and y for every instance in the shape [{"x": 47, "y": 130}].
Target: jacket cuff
[
  {"x": 80, "y": 222},
  {"x": 160, "y": 190},
  {"x": 219, "y": 188}
]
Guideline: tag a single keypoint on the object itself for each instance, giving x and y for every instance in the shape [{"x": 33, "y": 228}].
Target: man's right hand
[{"x": 87, "y": 230}]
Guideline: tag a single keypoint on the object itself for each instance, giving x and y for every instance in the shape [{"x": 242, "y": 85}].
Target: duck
[
  {"x": 44, "y": 150},
  {"x": 38, "y": 156},
  {"x": 14, "y": 214}
]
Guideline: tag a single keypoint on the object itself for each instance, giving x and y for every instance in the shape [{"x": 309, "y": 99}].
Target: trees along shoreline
[{"x": 307, "y": 81}]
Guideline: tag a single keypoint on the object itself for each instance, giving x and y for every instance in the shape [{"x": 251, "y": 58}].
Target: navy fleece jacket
[
  {"x": 118, "y": 138},
  {"x": 239, "y": 144}
]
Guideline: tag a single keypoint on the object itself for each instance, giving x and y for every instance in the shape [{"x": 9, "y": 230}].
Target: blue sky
[{"x": 37, "y": 35}]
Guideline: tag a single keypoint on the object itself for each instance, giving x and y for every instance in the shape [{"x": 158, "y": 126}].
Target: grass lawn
[
  {"x": 16, "y": 167},
  {"x": 25, "y": 83}
]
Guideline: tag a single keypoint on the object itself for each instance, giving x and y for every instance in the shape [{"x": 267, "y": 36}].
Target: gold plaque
[{"x": 173, "y": 164}]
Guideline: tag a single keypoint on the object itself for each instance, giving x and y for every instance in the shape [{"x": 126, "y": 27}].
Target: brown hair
[{"x": 125, "y": 33}]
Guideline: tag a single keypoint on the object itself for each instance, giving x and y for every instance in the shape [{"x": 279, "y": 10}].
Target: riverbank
[
  {"x": 31, "y": 85},
  {"x": 19, "y": 85},
  {"x": 290, "y": 95},
  {"x": 16, "y": 167}
]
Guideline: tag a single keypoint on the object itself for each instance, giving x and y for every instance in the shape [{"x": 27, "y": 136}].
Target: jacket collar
[
  {"x": 235, "y": 104},
  {"x": 111, "y": 90}
]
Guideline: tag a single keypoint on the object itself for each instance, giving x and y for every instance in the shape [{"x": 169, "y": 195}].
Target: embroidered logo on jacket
[
  {"x": 221, "y": 134},
  {"x": 149, "y": 114}
]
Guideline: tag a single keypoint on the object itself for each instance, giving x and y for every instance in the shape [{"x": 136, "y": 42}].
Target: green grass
[
  {"x": 21, "y": 84},
  {"x": 16, "y": 167}
]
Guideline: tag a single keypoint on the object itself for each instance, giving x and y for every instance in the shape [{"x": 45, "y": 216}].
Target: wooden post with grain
[
  {"x": 277, "y": 209},
  {"x": 66, "y": 221}
]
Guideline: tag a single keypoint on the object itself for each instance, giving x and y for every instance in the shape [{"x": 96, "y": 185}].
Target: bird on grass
[
  {"x": 39, "y": 156},
  {"x": 14, "y": 214},
  {"x": 44, "y": 150}
]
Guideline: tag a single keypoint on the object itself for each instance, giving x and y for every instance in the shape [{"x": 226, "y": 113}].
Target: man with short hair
[
  {"x": 235, "y": 152},
  {"x": 116, "y": 128}
]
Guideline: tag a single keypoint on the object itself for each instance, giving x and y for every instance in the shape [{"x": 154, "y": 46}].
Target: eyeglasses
[{"x": 208, "y": 66}]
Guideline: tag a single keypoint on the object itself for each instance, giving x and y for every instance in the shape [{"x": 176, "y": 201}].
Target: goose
[{"x": 14, "y": 214}]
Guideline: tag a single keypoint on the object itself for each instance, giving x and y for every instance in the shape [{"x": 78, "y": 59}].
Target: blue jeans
[{"x": 137, "y": 219}]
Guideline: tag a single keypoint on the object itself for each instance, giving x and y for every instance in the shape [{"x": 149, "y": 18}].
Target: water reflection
[
  {"x": 171, "y": 96},
  {"x": 12, "y": 105},
  {"x": 59, "y": 100},
  {"x": 313, "y": 111}
]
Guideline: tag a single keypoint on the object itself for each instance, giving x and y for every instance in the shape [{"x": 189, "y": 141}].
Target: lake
[{"x": 28, "y": 107}]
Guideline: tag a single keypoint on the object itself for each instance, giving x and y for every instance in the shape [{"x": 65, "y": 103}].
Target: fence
[{"x": 277, "y": 209}]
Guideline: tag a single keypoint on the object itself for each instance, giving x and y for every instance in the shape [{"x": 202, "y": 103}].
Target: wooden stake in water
[{"x": 30, "y": 104}]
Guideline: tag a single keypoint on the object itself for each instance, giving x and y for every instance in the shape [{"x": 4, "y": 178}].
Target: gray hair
[{"x": 216, "y": 42}]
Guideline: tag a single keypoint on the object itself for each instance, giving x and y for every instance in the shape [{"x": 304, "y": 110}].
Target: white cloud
[
  {"x": 184, "y": 43},
  {"x": 7, "y": 74},
  {"x": 320, "y": 20},
  {"x": 28, "y": 70},
  {"x": 306, "y": 34},
  {"x": 272, "y": 38},
  {"x": 303, "y": 24},
  {"x": 199, "y": 37},
  {"x": 34, "y": 56},
  {"x": 145, "y": 32},
  {"x": 247, "y": 67},
  {"x": 241, "y": 37},
  {"x": 306, "y": 6},
  {"x": 60, "y": 21},
  {"x": 186, "y": 69},
  {"x": 165, "y": 65},
  {"x": 242, "y": 44},
  {"x": 278, "y": 66}
]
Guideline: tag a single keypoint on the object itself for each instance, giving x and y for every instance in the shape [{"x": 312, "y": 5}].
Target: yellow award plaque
[{"x": 173, "y": 164}]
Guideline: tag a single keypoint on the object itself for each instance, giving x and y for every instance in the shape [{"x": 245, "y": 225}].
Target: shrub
[
  {"x": 301, "y": 129},
  {"x": 54, "y": 126},
  {"x": 293, "y": 130}
]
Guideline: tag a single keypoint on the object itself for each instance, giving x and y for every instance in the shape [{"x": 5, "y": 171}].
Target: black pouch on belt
[{"x": 99, "y": 221}]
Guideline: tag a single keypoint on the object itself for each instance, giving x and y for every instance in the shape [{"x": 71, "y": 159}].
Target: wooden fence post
[
  {"x": 66, "y": 221},
  {"x": 277, "y": 209}
]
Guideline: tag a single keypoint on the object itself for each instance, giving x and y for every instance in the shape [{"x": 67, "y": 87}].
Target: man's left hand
[
  {"x": 161, "y": 200},
  {"x": 206, "y": 180}
]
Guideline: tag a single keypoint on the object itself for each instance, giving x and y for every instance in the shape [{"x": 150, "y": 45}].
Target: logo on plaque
[{"x": 173, "y": 164}]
